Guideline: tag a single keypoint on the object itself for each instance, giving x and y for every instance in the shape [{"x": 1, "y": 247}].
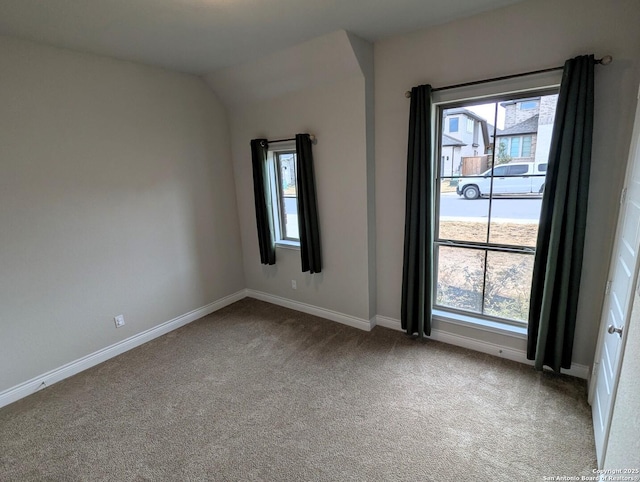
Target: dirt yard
[{"x": 508, "y": 275}]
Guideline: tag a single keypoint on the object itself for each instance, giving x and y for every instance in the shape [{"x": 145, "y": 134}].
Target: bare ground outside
[{"x": 508, "y": 275}]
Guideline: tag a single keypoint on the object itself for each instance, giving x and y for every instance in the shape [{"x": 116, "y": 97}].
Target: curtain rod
[
  {"x": 606, "y": 60},
  {"x": 314, "y": 140}
]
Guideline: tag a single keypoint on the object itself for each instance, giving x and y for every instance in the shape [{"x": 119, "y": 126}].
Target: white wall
[
  {"x": 527, "y": 36},
  {"x": 333, "y": 108},
  {"x": 116, "y": 197}
]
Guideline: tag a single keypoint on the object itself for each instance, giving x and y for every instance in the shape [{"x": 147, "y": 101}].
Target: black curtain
[
  {"x": 417, "y": 268},
  {"x": 558, "y": 260},
  {"x": 262, "y": 197},
  {"x": 309, "y": 228}
]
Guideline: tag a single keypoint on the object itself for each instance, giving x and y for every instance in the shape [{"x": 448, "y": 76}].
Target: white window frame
[
  {"x": 513, "y": 88},
  {"x": 277, "y": 196},
  {"x": 470, "y": 124}
]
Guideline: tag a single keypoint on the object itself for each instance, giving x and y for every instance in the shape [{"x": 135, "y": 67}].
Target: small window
[
  {"x": 528, "y": 104},
  {"x": 470, "y": 123},
  {"x": 542, "y": 167},
  {"x": 286, "y": 193},
  {"x": 453, "y": 124},
  {"x": 518, "y": 170}
]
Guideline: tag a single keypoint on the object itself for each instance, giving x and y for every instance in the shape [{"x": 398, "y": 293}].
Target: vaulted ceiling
[{"x": 200, "y": 36}]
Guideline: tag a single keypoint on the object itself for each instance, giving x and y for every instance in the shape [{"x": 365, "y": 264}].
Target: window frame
[
  {"x": 277, "y": 196},
  {"x": 439, "y": 107}
]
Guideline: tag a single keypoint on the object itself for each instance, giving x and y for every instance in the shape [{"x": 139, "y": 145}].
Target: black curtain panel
[
  {"x": 558, "y": 260},
  {"x": 308, "y": 225},
  {"x": 417, "y": 268},
  {"x": 262, "y": 197}
]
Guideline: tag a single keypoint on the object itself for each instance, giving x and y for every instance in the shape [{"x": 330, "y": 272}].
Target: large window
[
  {"x": 487, "y": 218},
  {"x": 516, "y": 146},
  {"x": 286, "y": 202}
]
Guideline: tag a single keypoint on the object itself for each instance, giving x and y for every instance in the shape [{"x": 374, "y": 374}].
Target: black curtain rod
[
  {"x": 313, "y": 138},
  {"x": 606, "y": 60},
  {"x": 281, "y": 140}
]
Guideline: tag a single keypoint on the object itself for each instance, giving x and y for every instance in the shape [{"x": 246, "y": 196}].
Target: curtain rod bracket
[{"x": 606, "y": 60}]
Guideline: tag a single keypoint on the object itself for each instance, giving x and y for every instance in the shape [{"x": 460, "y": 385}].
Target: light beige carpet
[{"x": 259, "y": 392}]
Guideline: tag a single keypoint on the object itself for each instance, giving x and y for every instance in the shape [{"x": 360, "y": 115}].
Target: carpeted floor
[{"x": 259, "y": 392}]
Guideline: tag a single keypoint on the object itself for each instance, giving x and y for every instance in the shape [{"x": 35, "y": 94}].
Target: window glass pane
[
  {"x": 463, "y": 219},
  {"x": 518, "y": 170},
  {"x": 542, "y": 167},
  {"x": 526, "y": 146},
  {"x": 515, "y": 147},
  {"x": 508, "y": 285},
  {"x": 529, "y": 104},
  {"x": 453, "y": 124},
  {"x": 291, "y": 217},
  {"x": 460, "y": 278},
  {"x": 500, "y": 171},
  {"x": 469, "y": 124},
  {"x": 288, "y": 195},
  {"x": 514, "y": 222}
]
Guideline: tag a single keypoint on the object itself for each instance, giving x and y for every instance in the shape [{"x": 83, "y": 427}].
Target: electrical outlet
[
  {"x": 294, "y": 284},
  {"x": 119, "y": 321}
]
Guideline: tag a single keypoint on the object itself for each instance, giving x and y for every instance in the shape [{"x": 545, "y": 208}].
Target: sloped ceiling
[
  {"x": 316, "y": 62},
  {"x": 200, "y": 36}
]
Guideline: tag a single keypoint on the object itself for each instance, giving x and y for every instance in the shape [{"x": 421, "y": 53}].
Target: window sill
[
  {"x": 283, "y": 243},
  {"x": 480, "y": 324}
]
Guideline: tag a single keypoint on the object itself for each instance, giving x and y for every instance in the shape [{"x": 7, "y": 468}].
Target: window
[
  {"x": 283, "y": 177},
  {"x": 470, "y": 123},
  {"x": 528, "y": 104},
  {"x": 453, "y": 124},
  {"x": 516, "y": 146},
  {"x": 518, "y": 170},
  {"x": 487, "y": 223}
]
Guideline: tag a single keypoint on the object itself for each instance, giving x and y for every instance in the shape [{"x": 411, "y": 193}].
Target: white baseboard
[
  {"x": 576, "y": 370},
  {"x": 47, "y": 379},
  {"x": 349, "y": 320}
]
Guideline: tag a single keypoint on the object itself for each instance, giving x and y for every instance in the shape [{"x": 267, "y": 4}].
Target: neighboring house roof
[
  {"x": 529, "y": 126},
  {"x": 451, "y": 141}
]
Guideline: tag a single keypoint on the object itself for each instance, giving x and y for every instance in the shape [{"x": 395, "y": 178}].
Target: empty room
[{"x": 318, "y": 240}]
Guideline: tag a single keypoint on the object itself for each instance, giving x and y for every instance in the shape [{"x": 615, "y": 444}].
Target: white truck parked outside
[{"x": 508, "y": 179}]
